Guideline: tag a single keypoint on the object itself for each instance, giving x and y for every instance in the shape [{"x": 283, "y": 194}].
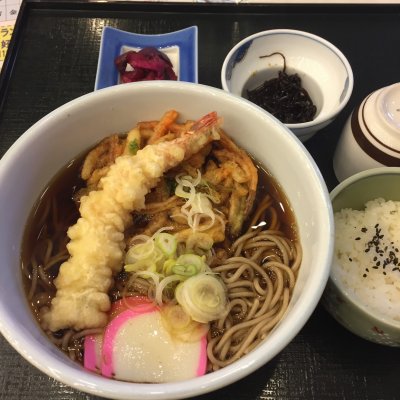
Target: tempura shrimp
[{"x": 97, "y": 241}]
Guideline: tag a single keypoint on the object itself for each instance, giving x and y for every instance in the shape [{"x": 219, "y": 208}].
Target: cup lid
[
  {"x": 389, "y": 101},
  {"x": 382, "y": 116}
]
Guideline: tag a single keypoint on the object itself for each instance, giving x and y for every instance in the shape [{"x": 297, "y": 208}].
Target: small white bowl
[
  {"x": 371, "y": 135},
  {"x": 338, "y": 299},
  {"x": 324, "y": 71},
  {"x": 63, "y": 134}
]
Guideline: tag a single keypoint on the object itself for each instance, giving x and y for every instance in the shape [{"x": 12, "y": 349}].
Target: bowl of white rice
[{"x": 363, "y": 292}]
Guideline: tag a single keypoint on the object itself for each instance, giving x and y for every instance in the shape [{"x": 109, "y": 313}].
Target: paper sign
[{"x": 5, "y": 37}]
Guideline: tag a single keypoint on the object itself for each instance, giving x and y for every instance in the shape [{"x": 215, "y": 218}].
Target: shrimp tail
[
  {"x": 202, "y": 132},
  {"x": 209, "y": 120}
]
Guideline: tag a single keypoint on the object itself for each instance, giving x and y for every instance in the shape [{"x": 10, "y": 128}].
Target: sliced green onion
[
  {"x": 158, "y": 258},
  {"x": 149, "y": 275},
  {"x": 133, "y": 146},
  {"x": 203, "y": 297},
  {"x": 184, "y": 270},
  {"x": 167, "y": 243},
  {"x": 180, "y": 324},
  {"x": 194, "y": 260},
  {"x": 177, "y": 317},
  {"x": 141, "y": 265},
  {"x": 167, "y": 267},
  {"x": 163, "y": 284},
  {"x": 139, "y": 251}
]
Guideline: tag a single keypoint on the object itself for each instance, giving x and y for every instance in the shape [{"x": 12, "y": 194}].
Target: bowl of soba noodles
[{"x": 159, "y": 240}]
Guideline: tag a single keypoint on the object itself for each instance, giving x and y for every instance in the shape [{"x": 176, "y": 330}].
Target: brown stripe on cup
[{"x": 366, "y": 145}]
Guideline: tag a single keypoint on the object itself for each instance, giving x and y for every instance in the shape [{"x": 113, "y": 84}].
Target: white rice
[{"x": 367, "y": 255}]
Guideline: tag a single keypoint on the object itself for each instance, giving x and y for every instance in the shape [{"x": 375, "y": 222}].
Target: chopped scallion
[
  {"x": 166, "y": 243},
  {"x": 133, "y": 147}
]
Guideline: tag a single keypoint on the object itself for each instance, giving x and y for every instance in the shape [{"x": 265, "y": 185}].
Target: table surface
[{"x": 53, "y": 59}]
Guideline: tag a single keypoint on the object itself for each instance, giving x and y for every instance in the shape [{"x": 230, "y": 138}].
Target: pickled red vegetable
[{"x": 144, "y": 65}]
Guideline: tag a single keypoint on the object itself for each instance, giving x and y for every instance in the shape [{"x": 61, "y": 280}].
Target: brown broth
[
  {"x": 67, "y": 182},
  {"x": 267, "y": 184},
  {"x": 42, "y": 223}
]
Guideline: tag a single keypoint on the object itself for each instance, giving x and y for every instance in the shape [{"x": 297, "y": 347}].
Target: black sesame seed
[
  {"x": 384, "y": 273},
  {"x": 357, "y": 238},
  {"x": 350, "y": 259},
  {"x": 375, "y": 267},
  {"x": 364, "y": 229},
  {"x": 366, "y": 250},
  {"x": 365, "y": 275},
  {"x": 375, "y": 258}
]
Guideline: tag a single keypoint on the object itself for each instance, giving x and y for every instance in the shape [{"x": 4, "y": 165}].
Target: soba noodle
[
  {"x": 259, "y": 268},
  {"x": 260, "y": 274}
]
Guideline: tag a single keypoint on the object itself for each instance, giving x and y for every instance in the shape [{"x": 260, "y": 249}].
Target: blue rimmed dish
[{"x": 180, "y": 46}]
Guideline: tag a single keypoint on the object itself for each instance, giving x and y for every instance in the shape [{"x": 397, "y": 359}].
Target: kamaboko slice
[{"x": 137, "y": 347}]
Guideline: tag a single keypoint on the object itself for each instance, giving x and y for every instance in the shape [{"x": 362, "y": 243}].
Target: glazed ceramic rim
[
  {"x": 349, "y": 81},
  {"x": 333, "y": 194},
  {"x": 301, "y": 311}
]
